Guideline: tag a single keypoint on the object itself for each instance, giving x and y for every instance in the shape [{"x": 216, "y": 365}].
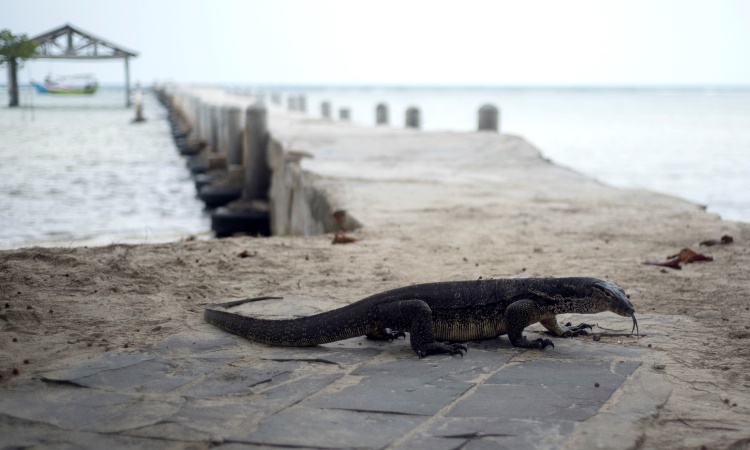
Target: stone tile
[
  {"x": 195, "y": 343},
  {"x": 226, "y": 416},
  {"x": 169, "y": 431},
  {"x": 524, "y": 402},
  {"x": 480, "y": 432},
  {"x": 401, "y": 395},
  {"x": 586, "y": 348},
  {"x": 566, "y": 375},
  {"x": 135, "y": 372},
  {"x": 543, "y": 389},
  {"x": 92, "y": 368},
  {"x": 288, "y": 394},
  {"x": 87, "y": 409},
  {"x": 468, "y": 368},
  {"x": 342, "y": 357},
  {"x": 239, "y": 380},
  {"x": 322, "y": 428}
]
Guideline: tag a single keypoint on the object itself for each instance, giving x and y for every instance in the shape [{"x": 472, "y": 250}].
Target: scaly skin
[{"x": 455, "y": 311}]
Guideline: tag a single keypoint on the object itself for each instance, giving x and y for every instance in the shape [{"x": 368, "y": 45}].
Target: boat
[{"x": 70, "y": 84}]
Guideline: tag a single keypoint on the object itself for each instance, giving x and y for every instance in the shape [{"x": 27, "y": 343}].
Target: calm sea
[{"x": 75, "y": 171}]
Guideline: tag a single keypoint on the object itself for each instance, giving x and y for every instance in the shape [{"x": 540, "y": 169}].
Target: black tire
[
  {"x": 203, "y": 179},
  {"x": 196, "y": 166},
  {"x": 215, "y": 197},
  {"x": 226, "y": 222}
]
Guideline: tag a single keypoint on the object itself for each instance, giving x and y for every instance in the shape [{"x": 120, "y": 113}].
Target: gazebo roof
[{"x": 69, "y": 42}]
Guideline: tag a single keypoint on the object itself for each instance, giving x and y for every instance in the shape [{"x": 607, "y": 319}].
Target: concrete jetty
[{"x": 110, "y": 348}]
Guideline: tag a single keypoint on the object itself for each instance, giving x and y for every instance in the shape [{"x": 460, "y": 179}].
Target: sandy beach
[{"x": 435, "y": 207}]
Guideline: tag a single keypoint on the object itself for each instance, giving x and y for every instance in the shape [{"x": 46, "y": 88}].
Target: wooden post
[
  {"x": 488, "y": 118},
  {"x": 344, "y": 114},
  {"x": 127, "y": 82},
  {"x": 381, "y": 114},
  {"x": 325, "y": 110},
  {"x": 302, "y": 103},
  {"x": 412, "y": 117},
  {"x": 12, "y": 82}
]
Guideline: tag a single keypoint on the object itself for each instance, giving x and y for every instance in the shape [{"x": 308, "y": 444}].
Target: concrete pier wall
[
  {"x": 298, "y": 202},
  {"x": 301, "y": 202}
]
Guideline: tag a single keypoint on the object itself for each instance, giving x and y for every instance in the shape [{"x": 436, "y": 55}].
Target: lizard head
[{"x": 613, "y": 298}]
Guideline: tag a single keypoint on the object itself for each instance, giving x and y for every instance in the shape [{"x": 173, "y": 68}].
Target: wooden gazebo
[{"x": 69, "y": 42}]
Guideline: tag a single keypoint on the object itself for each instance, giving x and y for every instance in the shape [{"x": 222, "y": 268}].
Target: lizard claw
[
  {"x": 544, "y": 343},
  {"x": 578, "y": 330},
  {"x": 458, "y": 349},
  {"x": 435, "y": 348}
]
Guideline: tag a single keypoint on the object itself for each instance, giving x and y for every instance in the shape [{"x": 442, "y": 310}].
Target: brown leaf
[
  {"x": 341, "y": 238},
  {"x": 688, "y": 256},
  {"x": 726, "y": 239}
]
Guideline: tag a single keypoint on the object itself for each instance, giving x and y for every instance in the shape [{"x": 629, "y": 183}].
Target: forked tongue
[{"x": 635, "y": 326}]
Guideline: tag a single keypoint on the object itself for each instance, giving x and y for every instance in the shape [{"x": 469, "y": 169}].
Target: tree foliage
[{"x": 19, "y": 47}]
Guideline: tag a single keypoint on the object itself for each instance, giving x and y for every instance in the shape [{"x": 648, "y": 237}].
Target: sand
[{"x": 63, "y": 305}]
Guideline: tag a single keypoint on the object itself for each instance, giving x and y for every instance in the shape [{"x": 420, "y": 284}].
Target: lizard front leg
[
  {"x": 566, "y": 330},
  {"x": 415, "y": 316},
  {"x": 518, "y": 316}
]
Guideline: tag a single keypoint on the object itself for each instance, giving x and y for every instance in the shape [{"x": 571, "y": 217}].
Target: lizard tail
[
  {"x": 241, "y": 302},
  {"x": 317, "y": 329}
]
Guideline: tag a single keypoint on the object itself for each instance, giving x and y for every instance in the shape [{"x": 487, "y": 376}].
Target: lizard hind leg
[
  {"x": 386, "y": 334},
  {"x": 416, "y": 317}
]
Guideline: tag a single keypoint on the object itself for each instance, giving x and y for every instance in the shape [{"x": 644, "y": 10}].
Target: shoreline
[{"x": 501, "y": 210}]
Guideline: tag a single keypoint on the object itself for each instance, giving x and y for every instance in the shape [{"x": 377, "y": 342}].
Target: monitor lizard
[{"x": 453, "y": 311}]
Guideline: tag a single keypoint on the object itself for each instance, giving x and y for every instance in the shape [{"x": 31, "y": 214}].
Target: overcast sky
[{"x": 405, "y": 42}]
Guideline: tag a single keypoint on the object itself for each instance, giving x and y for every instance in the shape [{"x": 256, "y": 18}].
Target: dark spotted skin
[{"x": 454, "y": 311}]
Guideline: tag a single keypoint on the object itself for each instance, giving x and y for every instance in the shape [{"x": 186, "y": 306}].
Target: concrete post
[
  {"x": 412, "y": 118},
  {"x": 233, "y": 134},
  {"x": 12, "y": 82},
  {"x": 302, "y": 103},
  {"x": 138, "y": 104},
  {"x": 257, "y": 172},
  {"x": 488, "y": 118},
  {"x": 325, "y": 110},
  {"x": 381, "y": 114},
  {"x": 344, "y": 114},
  {"x": 215, "y": 114},
  {"x": 206, "y": 122},
  {"x": 127, "y": 80},
  {"x": 200, "y": 119}
]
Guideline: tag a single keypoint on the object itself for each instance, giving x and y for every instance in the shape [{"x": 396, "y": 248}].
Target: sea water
[{"x": 76, "y": 171}]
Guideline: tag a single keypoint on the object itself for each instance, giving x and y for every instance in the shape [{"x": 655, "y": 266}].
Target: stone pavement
[{"x": 206, "y": 388}]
